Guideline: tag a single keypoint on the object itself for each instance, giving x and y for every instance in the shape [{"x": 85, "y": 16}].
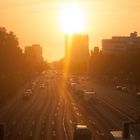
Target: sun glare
[{"x": 72, "y": 18}]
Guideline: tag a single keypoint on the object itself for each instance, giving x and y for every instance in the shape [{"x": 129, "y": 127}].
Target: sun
[{"x": 72, "y": 18}]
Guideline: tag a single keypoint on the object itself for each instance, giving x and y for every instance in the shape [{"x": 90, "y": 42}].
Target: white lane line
[
  {"x": 70, "y": 121},
  {"x": 42, "y": 133},
  {"x": 33, "y": 122},
  {"x": 102, "y": 134},
  {"x": 43, "y": 122},
  {"x": 21, "y": 126},
  {"x": 90, "y": 121},
  {"x": 73, "y": 103},
  {"x": 97, "y": 132},
  {"x": 24, "y": 121},
  {"x": 117, "y": 110},
  {"x": 93, "y": 123},
  {"x": 53, "y": 122},
  {"x": 31, "y": 134},
  {"x": 54, "y": 133},
  {"x": 19, "y": 133},
  {"x": 64, "y": 127},
  {"x": 55, "y": 114},
  {"x": 75, "y": 108},
  {"x": 59, "y": 103},
  {"x": 14, "y": 122},
  {"x": 17, "y": 137},
  {"x": 8, "y": 133},
  {"x": 78, "y": 114}
]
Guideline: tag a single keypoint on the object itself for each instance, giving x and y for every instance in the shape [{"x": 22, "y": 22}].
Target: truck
[
  {"x": 27, "y": 94},
  {"x": 88, "y": 95},
  {"x": 82, "y": 132},
  {"x": 118, "y": 135},
  {"x": 76, "y": 87},
  {"x": 123, "y": 134}
]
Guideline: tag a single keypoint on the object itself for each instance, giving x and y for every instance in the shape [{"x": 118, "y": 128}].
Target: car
[
  {"x": 27, "y": 93},
  {"x": 118, "y": 87},
  {"x": 138, "y": 94},
  {"x": 25, "y": 96},
  {"x": 87, "y": 78},
  {"x": 82, "y": 132},
  {"x": 42, "y": 86},
  {"x": 124, "y": 89},
  {"x": 47, "y": 82}
]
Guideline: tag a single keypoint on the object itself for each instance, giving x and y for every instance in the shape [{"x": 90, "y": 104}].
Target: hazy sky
[{"x": 36, "y": 21}]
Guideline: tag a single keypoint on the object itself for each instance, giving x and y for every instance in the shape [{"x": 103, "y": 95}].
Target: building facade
[
  {"x": 34, "y": 53},
  {"x": 77, "y": 52},
  {"x": 119, "y": 44}
]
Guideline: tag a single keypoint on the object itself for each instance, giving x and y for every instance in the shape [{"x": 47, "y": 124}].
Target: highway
[{"x": 53, "y": 110}]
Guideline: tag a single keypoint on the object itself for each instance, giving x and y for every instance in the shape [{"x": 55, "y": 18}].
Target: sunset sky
[{"x": 40, "y": 21}]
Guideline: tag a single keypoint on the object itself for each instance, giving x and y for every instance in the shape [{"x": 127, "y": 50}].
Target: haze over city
[
  {"x": 69, "y": 70},
  {"x": 38, "y": 21}
]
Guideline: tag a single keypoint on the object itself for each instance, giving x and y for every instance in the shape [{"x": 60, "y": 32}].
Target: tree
[
  {"x": 10, "y": 53},
  {"x": 11, "y": 60}
]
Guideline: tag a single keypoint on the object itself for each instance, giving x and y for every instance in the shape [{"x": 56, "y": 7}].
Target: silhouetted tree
[
  {"x": 122, "y": 67},
  {"x": 11, "y": 60},
  {"x": 14, "y": 68},
  {"x": 10, "y": 53}
]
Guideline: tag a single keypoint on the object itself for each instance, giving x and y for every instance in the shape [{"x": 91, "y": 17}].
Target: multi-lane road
[{"x": 52, "y": 110}]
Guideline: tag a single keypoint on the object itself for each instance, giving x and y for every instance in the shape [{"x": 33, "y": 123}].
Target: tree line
[
  {"x": 119, "y": 67},
  {"x": 122, "y": 67},
  {"x": 15, "y": 68}
]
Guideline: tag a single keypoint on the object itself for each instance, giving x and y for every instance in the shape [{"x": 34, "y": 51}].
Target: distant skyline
[{"x": 36, "y": 21}]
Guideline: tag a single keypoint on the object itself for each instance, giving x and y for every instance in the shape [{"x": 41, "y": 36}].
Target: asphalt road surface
[{"x": 52, "y": 110}]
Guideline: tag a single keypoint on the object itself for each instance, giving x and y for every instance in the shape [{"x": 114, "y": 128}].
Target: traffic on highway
[{"x": 54, "y": 107}]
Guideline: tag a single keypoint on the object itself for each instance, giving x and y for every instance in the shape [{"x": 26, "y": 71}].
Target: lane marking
[
  {"x": 70, "y": 121},
  {"x": 117, "y": 109},
  {"x": 8, "y": 133},
  {"x": 54, "y": 133},
  {"x": 81, "y": 121},
  {"x": 97, "y": 132},
  {"x": 75, "y": 108},
  {"x": 14, "y": 122},
  {"x": 33, "y": 122},
  {"x": 31, "y": 133},
  {"x": 53, "y": 122}
]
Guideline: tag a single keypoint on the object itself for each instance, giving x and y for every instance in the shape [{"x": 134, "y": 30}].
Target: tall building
[
  {"x": 34, "y": 53},
  {"x": 121, "y": 43},
  {"x": 77, "y": 52}
]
